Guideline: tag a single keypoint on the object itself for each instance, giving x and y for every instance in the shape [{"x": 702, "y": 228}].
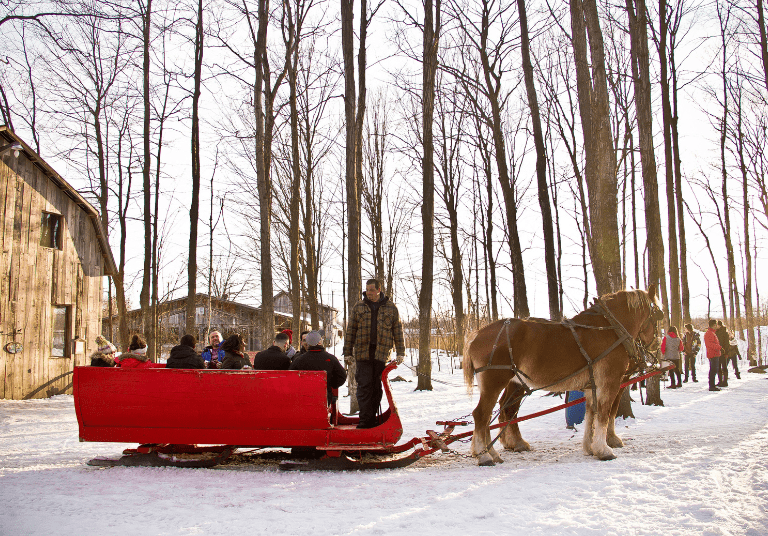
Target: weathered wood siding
[{"x": 34, "y": 278}]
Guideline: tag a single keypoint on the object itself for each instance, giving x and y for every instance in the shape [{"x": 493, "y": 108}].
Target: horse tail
[{"x": 467, "y": 366}]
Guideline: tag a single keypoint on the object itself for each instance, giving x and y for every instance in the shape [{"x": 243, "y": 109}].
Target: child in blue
[{"x": 213, "y": 355}]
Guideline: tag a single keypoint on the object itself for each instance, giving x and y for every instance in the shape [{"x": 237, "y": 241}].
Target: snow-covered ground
[{"x": 698, "y": 465}]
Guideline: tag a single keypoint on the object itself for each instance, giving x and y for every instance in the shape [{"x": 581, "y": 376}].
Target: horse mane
[{"x": 635, "y": 299}]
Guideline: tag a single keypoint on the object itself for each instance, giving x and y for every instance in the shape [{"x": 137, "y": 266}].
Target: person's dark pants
[
  {"x": 714, "y": 367},
  {"x": 675, "y": 373},
  {"x": 723, "y": 371},
  {"x": 369, "y": 389},
  {"x": 735, "y": 361},
  {"x": 690, "y": 366}
]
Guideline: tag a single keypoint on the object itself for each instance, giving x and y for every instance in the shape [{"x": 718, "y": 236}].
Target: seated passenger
[
  {"x": 234, "y": 358},
  {"x": 302, "y": 345},
  {"x": 136, "y": 356},
  {"x": 102, "y": 360},
  {"x": 213, "y": 355},
  {"x": 291, "y": 351},
  {"x": 317, "y": 358},
  {"x": 274, "y": 357},
  {"x": 105, "y": 347},
  {"x": 183, "y": 356}
]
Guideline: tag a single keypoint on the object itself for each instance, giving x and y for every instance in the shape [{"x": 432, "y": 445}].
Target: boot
[
  {"x": 738, "y": 376},
  {"x": 714, "y": 389}
]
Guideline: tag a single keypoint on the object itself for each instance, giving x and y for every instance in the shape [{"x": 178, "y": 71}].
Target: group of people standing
[
  {"x": 374, "y": 328},
  {"x": 720, "y": 351}
]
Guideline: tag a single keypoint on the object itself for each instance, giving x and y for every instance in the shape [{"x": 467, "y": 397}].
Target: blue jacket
[{"x": 208, "y": 354}]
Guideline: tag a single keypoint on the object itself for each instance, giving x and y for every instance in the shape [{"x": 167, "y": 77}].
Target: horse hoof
[
  {"x": 498, "y": 459},
  {"x": 605, "y": 455},
  {"x": 522, "y": 447},
  {"x": 486, "y": 461},
  {"x": 615, "y": 442}
]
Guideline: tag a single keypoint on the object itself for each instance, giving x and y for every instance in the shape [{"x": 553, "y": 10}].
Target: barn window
[
  {"x": 60, "y": 340},
  {"x": 50, "y": 231}
]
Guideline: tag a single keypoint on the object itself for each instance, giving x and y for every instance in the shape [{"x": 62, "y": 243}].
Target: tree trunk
[
  {"x": 541, "y": 167},
  {"x": 492, "y": 86},
  {"x": 354, "y": 271},
  {"x": 666, "y": 106},
  {"x": 684, "y": 289},
  {"x": 763, "y": 40},
  {"x": 641, "y": 75},
  {"x": 147, "y": 274},
  {"x": 262, "y": 150},
  {"x": 739, "y": 142},
  {"x": 431, "y": 39},
  {"x": 733, "y": 295},
  {"x": 600, "y": 169},
  {"x": 194, "y": 208},
  {"x": 290, "y": 38}
]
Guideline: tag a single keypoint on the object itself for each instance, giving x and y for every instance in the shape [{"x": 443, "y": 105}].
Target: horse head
[
  {"x": 649, "y": 314},
  {"x": 639, "y": 312}
]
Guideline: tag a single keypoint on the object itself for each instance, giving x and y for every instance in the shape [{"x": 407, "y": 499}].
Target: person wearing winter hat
[
  {"x": 291, "y": 351},
  {"x": 99, "y": 359},
  {"x": 136, "y": 356},
  {"x": 105, "y": 347},
  {"x": 317, "y": 358},
  {"x": 183, "y": 355}
]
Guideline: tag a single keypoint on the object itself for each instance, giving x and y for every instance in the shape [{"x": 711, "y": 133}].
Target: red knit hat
[{"x": 288, "y": 332}]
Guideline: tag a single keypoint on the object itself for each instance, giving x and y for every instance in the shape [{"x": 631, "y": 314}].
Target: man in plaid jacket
[{"x": 374, "y": 328}]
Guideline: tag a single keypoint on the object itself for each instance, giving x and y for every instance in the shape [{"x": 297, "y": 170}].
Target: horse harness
[{"x": 635, "y": 349}]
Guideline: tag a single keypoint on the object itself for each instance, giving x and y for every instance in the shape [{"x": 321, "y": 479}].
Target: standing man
[
  {"x": 213, "y": 355},
  {"x": 692, "y": 345},
  {"x": 725, "y": 342},
  {"x": 374, "y": 328},
  {"x": 713, "y": 353}
]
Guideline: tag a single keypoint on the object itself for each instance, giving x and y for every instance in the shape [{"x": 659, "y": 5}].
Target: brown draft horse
[{"x": 547, "y": 355}]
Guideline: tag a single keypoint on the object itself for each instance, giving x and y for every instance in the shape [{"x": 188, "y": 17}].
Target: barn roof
[{"x": 110, "y": 268}]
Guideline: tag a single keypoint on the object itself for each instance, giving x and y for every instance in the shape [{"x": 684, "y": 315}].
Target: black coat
[
  {"x": 185, "y": 357},
  {"x": 234, "y": 361},
  {"x": 318, "y": 359},
  {"x": 273, "y": 358}
]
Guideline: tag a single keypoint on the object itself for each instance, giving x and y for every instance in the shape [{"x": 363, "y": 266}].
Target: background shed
[{"x": 54, "y": 256}]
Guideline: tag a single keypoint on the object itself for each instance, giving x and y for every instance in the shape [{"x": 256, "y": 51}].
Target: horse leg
[
  {"x": 589, "y": 415},
  {"x": 481, "y": 438},
  {"x": 605, "y": 399},
  {"x": 511, "y": 438},
  {"x": 613, "y": 440}
]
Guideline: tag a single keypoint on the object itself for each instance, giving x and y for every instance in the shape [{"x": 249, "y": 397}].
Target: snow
[{"x": 698, "y": 465}]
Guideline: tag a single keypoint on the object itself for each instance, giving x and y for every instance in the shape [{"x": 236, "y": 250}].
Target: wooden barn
[{"x": 54, "y": 257}]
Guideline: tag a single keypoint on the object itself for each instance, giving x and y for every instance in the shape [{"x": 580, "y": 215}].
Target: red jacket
[
  {"x": 134, "y": 361},
  {"x": 712, "y": 344}
]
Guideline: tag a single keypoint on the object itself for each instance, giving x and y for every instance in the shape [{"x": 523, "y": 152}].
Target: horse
[{"x": 591, "y": 352}]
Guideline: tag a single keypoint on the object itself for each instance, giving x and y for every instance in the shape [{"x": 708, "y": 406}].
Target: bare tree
[{"x": 600, "y": 171}]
